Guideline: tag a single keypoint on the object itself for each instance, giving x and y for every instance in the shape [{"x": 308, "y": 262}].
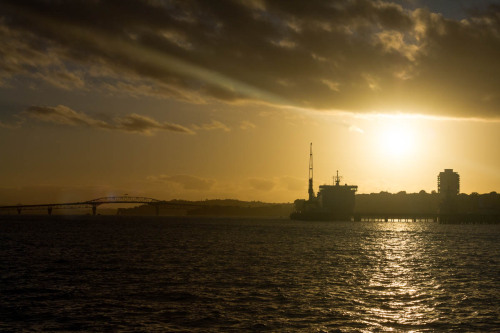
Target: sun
[{"x": 396, "y": 140}]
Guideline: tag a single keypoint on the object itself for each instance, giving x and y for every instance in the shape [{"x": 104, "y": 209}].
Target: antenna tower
[
  {"x": 311, "y": 190},
  {"x": 337, "y": 179}
]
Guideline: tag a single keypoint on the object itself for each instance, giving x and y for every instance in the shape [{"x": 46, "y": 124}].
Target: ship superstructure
[{"x": 332, "y": 203}]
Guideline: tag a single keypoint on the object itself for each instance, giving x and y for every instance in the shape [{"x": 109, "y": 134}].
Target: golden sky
[{"x": 220, "y": 99}]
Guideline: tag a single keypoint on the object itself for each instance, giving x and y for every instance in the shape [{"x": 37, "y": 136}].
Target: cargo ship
[{"x": 332, "y": 202}]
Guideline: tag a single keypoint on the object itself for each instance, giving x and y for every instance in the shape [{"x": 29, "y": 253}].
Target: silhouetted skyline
[{"x": 220, "y": 99}]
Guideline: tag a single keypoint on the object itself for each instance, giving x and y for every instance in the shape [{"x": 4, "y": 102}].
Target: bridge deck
[{"x": 94, "y": 203}]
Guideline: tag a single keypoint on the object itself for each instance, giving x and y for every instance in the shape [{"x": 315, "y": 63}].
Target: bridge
[{"x": 94, "y": 203}]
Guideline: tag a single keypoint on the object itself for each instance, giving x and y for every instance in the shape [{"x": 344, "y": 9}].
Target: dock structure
[
  {"x": 466, "y": 218},
  {"x": 388, "y": 217}
]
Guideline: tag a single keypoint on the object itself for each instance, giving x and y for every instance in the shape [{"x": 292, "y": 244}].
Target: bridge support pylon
[
  {"x": 94, "y": 209},
  {"x": 49, "y": 210},
  {"x": 19, "y": 211}
]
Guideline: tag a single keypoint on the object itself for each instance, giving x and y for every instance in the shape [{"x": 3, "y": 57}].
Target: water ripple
[{"x": 177, "y": 275}]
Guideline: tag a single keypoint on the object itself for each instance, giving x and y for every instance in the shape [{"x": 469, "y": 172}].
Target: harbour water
[{"x": 167, "y": 274}]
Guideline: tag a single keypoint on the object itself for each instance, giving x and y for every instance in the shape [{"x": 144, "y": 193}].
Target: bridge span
[{"x": 93, "y": 204}]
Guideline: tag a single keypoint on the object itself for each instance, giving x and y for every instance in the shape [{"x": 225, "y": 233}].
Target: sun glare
[{"x": 397, "y": 140}]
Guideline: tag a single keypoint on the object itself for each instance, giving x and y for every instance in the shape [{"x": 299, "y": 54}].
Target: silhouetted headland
[{"x": 227, "y": 207}]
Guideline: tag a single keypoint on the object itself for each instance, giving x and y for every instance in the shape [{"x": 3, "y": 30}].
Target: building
[{"x": 448, "y": 183}]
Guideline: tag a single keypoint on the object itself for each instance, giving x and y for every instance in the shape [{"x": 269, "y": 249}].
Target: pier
[
  {"x": 384, "y": 217},
  {"x": 459, "y": 218}
]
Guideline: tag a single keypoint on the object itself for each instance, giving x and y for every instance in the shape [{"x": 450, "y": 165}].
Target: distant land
[
  {"x": 373, "y": 203},
  {"x": 217, "y": 207}
]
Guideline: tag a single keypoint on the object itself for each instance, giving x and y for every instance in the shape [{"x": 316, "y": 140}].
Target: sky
[{"x": 198, "y": 100}]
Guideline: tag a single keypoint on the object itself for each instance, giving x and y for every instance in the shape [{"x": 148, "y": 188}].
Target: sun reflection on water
[{"x": 397, "y": 287}]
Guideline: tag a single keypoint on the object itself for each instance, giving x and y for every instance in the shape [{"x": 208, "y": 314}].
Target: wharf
[
  {"x": 398, "y": 217},
  {"x": 458, "y": 218}
]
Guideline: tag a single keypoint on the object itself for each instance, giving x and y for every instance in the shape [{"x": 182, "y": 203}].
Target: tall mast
[
  {"x": 337, "y": 179},
  {"x": 311, "y": 190}
]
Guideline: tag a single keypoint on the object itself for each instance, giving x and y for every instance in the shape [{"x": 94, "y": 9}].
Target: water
[{"x": 192, "y": 274}]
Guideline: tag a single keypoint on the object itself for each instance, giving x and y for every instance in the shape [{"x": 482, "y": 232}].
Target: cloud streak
[
  {"x": 357, "y": 56},
  {"x": 132, "y": 123},
  {"x": 215, "y": 125}
]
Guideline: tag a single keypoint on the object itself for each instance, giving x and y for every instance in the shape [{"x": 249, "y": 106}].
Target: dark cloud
[
  {"x": 134, "y": 123},
  {"x": 187, "y": 182},
  {"x": 356, "y": 55},
  {"x": 142, "y": 124}
]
